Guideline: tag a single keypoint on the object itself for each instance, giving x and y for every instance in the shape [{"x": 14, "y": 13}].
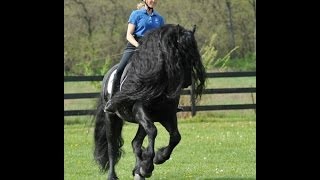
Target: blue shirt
[{"x": 145, "y": 22}]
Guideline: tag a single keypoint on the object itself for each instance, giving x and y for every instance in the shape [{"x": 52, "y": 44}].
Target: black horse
[{"x": 167, "y": 61}]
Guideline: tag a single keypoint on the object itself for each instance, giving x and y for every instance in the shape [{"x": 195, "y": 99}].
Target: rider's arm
[{"x": 130, "y": 38}]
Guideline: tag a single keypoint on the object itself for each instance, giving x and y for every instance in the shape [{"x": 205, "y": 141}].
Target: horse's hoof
[
  {"x": 159, "y": 159},
  {"x": 138, "y": 177},
  {"x": 144, "y": 174}
]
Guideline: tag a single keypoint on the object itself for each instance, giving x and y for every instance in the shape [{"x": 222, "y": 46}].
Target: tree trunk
[
  {"x": 253, "y": 3},
  {"x": 232, "y": 43}
]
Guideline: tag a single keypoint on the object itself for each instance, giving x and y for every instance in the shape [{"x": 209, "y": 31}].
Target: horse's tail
[{"x": 104, "y": 126}]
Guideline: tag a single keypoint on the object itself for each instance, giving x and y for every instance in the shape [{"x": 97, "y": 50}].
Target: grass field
[
  {"x": 211, "y": 148},
  {"x": 215, "y": 145}
]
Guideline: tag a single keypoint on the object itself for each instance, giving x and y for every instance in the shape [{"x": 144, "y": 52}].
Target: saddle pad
[{"x": 110, "y": 82}]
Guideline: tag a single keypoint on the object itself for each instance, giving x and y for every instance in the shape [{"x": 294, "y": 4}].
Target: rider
[{"x": 140, "y": 21}]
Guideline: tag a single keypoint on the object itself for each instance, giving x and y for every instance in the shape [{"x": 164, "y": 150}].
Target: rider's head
[{"x": 150, "y": 3}]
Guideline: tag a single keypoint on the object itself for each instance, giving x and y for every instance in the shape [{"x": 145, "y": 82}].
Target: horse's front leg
[
  {"x": 164, "y": 153},
  {"x": 144, "y": 119},
  {"x": 136, "y": 146}
]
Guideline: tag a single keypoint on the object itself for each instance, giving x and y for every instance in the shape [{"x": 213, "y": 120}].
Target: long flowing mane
[{"x": 165, "y": 62}]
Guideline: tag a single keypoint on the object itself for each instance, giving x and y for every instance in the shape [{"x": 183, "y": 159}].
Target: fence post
[{"x": 192, "y": 99}]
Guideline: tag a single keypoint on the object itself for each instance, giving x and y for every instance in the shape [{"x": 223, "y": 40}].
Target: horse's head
[
  {"x": 192, "y": 59},
  {"x": 186, "y": 36}
]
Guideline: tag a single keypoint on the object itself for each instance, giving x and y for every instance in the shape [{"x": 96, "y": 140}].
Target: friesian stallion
[{"x": 167, "y": 61}]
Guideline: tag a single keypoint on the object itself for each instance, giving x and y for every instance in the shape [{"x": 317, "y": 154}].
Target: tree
[
  {"x": 232, "y": 43},
  {"x": 95, "y": 30}
]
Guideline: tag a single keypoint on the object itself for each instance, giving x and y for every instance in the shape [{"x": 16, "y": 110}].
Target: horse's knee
[
  {"x": 136, "y": 146},
  {"x": 152, "y": 131}
]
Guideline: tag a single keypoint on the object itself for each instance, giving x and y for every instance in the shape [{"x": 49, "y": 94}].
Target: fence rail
[{"x": 193, "y": 108}]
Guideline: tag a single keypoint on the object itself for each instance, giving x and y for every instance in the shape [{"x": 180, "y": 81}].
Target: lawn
[
  {"x": 212, "y": 147},
  {"x": 217, "y": 145}
]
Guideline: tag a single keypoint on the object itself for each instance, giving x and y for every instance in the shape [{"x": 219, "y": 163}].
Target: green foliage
[
  {"x": 221, "y": 63},
  {"x": 208, "y": 52},
  {"x": 209, "y": 56},
  {"x": 95, "y": 29},
  {"x": 102, "y": 70},
  {"x": 107, "y": 65},
  {"x": 248, "y": 63}
]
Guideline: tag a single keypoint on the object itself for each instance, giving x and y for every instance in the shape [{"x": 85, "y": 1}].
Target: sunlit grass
[{"x": 211, "y": 148}]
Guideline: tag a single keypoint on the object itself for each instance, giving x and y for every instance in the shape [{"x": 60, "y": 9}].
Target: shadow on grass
[{"x": 234, "y": 178}]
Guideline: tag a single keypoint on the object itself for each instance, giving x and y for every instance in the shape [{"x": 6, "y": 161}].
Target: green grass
[{"x": 211, "y": 148}]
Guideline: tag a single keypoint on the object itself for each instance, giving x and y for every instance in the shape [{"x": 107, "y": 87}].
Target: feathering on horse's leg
[{"x": 136, "y": 146}]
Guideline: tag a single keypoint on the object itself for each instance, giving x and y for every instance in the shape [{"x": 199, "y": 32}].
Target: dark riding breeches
[{"x": 128, "y": 51}]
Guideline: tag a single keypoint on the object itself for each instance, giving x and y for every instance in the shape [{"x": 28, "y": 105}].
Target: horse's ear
[{"x": 194, "y": 28}]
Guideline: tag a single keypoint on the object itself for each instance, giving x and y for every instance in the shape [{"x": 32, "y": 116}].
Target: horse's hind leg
[
  {"x": 144, "y": 119},
  {"x": 136, "y": 146},
  {"x": 164, "y": 153}
]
